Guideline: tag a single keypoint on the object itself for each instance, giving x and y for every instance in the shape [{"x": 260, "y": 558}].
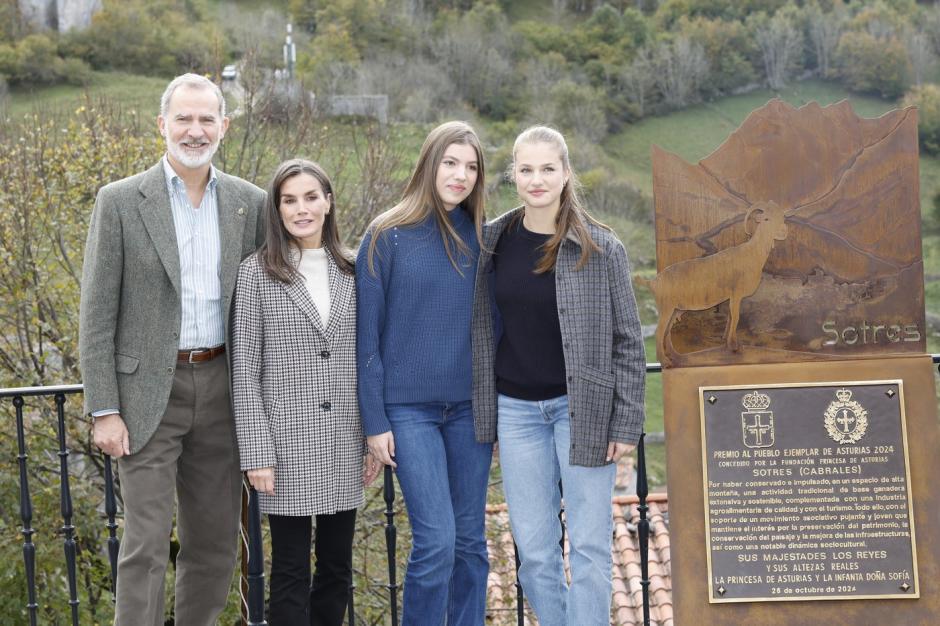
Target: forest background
[{"x": 78, "y": 111}]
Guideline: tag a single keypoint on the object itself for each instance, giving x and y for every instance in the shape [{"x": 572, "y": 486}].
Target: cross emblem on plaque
[
  {"x": 846, "y": 419},
  {"x": 758, "y": 428}
]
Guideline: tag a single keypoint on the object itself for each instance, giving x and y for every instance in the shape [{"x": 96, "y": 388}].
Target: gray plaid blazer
[
  {"x": 605, "y": 362},
  {"x": 294, "y": 391}
]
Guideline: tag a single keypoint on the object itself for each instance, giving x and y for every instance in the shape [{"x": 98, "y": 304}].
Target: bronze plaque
[
  {"x": 797, "y": 239},
  {"x": 807, "y": 492}
]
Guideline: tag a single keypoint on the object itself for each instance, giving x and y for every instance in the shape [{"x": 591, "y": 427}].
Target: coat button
[
  {"x": 325, "y": 406},
  {"x": 325, "y": 354},
  {"x": 169, "y": 370},
  {"x": 561, "y": 311},
  {"x": 570, "y": 378}
]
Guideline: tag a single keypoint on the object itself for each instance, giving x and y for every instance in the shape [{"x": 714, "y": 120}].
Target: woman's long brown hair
[
  {"x": 275, "y": 252},
  {"x": 572, "y": 216},
  {"x": 421, "y": 198}
]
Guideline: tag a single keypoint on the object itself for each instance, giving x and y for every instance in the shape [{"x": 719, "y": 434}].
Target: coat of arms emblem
[
  {"x": 757, "y": 423},
  {"x": 846, "y": 420}
]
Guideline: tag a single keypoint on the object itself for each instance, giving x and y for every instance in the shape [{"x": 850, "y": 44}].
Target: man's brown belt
[{"x": 200, "y": 355}]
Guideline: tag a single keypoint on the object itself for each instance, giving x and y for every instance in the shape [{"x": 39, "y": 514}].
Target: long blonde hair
[
  {"x": 572, "y": 215},
  {"x": 421, "y": 198}
]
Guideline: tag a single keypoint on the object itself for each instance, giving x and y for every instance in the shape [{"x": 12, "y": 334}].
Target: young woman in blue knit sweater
[{"x": 415, "y": 276}]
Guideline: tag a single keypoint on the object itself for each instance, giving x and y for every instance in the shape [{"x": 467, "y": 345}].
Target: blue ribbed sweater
[{"x": 413, "y": 340}]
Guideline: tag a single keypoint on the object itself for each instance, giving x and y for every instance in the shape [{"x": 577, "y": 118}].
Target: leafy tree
[
  {"x": 476, "y": 49},
  {"x": 824, "y": 29},
  {"x": 671, "y": 11},
  {"x": 12, "y": 24},
  {"x": 730, "y": 50},
  {"x": 574, "y": 108},
  {"x": 680, "y": 67},
  {"x": 638, "y": 80},
  {"x": 917, "y": 44},
  {"x": 35, "y": 59},
  {"x": 927, "y": 100},
  {"x": 163, "y": 38},
  {"x": 868, "y": 64},
  {"x": 781, "y": 46},
  {"x": 882, "y": 19},
  {"x": 303, "y": 14}
]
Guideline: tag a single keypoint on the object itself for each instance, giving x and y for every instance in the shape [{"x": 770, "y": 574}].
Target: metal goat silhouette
[{"x": 729, "y": 275}]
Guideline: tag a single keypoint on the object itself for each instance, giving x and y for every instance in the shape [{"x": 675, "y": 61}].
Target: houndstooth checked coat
[
  {"x": 605, "y": 362},
  {"x": 294, "y": 391}
]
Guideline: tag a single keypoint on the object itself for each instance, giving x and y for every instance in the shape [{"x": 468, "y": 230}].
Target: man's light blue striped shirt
[{"x": 200, "y": 251}]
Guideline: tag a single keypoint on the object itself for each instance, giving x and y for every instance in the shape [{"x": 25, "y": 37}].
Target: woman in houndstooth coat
[{"x": 294, "y": 388}]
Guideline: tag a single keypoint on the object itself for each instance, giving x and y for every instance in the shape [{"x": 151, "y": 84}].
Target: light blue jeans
[
  {"x": 534, "y": 439},
  {"x": 443, "y": 473}
]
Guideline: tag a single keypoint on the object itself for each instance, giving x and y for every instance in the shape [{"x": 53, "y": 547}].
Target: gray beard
[{"x": 179, "y": 153}]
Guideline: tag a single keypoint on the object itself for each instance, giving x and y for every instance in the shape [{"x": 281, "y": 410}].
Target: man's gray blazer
[{"x": 130, "y": 300}]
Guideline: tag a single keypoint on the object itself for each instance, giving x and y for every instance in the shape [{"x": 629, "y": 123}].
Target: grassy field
[
  {"x": 129, "y": 90},
  {"x": 695, "y": 132}
]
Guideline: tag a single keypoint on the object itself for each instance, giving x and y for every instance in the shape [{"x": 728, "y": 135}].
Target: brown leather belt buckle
[{"x": 200, "y": 355}]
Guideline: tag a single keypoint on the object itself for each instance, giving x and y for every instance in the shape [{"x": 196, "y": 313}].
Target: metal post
[
  {"x": 110, "y": 508},
  {"x": 26, "y": 514},
  {"x": 390, "y": 536},
  {"x": 643, "y": 527},
  {"x": 243, "y": 557},
  {"x": 520, "y": 599},
  {"x": 255, "y": 563},
  {"x": 351, "y": 607},
  {"x": 65, "y": 493}
]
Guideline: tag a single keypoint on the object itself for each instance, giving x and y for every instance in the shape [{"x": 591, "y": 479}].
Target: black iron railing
[
  {"x": 67, "y": 530},
  {"x": 254, "y": 570}
]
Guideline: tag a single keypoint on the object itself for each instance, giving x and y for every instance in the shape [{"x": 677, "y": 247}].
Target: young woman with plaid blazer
[
  {"x": 559, "y": 373},
  {"x": 294, "y": 390},
  {"x": 414, "y": 278}
]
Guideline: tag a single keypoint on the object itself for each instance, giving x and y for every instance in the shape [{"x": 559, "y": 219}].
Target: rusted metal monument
[{"x": 792, "y": 335}]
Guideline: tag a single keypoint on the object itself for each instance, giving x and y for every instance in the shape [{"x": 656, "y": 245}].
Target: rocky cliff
[{"x": 60, "y": 15}]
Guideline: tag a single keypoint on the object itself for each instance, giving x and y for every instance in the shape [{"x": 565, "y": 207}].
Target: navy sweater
[{"x": 413, "y": 340}]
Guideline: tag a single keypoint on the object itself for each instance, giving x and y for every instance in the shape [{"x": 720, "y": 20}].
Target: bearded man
[{"x": 161, "y": 259}]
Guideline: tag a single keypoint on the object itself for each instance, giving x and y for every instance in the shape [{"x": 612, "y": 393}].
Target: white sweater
[{"x": 314, "y": 267}]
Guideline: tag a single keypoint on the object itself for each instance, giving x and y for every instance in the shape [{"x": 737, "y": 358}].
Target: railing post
[
  {"x": 243, "y": 556},
  {"x": 520, "y": 599},
  {"x": 110, "y": 509},
  {"x": 351, "y": 608},
  {"x": 65, "y": 501},
  {"x": 26, "y": 513},
  {"x": 390, "y": 536},
  {"x": 643, "y": 527},
  {"x": 255, "y": 563}
]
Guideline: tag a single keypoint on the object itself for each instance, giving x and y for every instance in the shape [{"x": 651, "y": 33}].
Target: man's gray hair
[{"x": 194, "y": 81}]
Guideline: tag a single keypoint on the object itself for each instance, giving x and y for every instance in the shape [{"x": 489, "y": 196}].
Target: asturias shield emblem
[
  {"x": 757, "y": 423},
  {"x": 846, "y": 420}
]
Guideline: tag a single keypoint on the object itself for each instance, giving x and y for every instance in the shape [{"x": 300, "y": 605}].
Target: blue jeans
[
  {"x": 443, "y": 473},
  {"x": 534, "y": 438}
]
